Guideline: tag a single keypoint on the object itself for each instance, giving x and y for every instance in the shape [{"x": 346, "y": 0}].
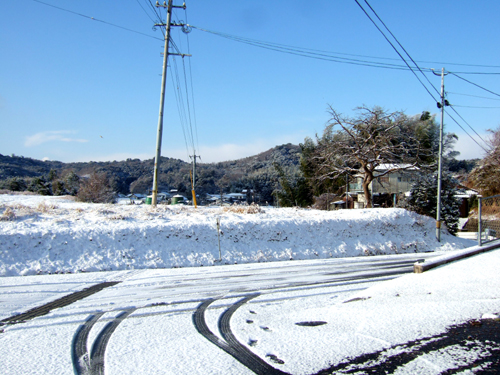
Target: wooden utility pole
[
  {"x": 441, "y": 106},
  {"x": 167, "y": 25}
]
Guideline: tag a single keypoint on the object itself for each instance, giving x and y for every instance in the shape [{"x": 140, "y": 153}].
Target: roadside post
[{"x": 218, "y": 237}]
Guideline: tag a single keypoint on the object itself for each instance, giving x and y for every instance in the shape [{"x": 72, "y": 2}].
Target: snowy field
[
  {"x": 380, "y": 324},
  {"x": 42, "y": 235}
]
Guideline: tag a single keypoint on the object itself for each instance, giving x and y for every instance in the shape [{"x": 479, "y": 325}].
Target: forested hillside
[{"x": 136, "y": 176}]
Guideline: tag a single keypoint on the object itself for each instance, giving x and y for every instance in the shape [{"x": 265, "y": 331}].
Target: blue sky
[{"x": 76, "y": 89}]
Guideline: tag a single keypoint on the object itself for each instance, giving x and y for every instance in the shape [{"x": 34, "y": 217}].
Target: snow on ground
[
  {"x": 41, "y": 234},
  {"x": 385, "y": 317},
  {"x": 57, "y": 235}
]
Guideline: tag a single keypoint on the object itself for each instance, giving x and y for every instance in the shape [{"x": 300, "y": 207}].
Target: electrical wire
[
  {"x": 145, "y": 12},
  {"x": 479, "y": 73},
  {"x": 191, "y": 80},
  {"x": 473, "y": 96},
  {"x": 189, "y": 93},
  {"x": 397, "y": 41},
  {"x": 180, "y": 103},
  {"x": 155, "y": 11},
  {"x": 465, "y": 131},
  {"x": 328, "y": 55},
  {"x": 188, "y": 106},
  {"x": 366, "y": 13},
  {"x": 157, "y": 14},
  {"x": 474, "y": 84},
  {"x": 98, "y": 20},
  {"x": 304, "y": 52},
  {"x": 181, "y": 108},
  {"x": 458, "y": 114},
  {"x": 472, "y": 106},
  {"x": 395, "y": 49}
]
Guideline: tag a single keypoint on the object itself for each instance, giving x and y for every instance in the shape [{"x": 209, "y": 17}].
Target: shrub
[{"x": 96, "y": 189}]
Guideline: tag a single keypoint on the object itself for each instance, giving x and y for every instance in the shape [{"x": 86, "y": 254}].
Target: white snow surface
[
  {"x": 40, "y": 235},
  {"x": 159, "y": 337}
]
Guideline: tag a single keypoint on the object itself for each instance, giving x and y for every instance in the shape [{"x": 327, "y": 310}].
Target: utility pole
[
  {"x": 440, "y": 105},
  {"x": 193, "y": 182},
  {"x": 167, "y": 25}
]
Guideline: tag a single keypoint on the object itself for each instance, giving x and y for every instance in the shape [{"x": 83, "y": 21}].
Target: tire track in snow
[
  {"x": 93, "y": 364},
  {"x": 230, "y": 344},
  {"x": 58, "y": 303},
  {"x": 79, "y": 352}
]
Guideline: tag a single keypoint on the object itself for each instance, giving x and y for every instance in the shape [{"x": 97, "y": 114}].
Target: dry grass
[
  {"x": 240, "y": 209},
  {"x": 8, "y": 215},
  {"x": 45, "y": 207}
]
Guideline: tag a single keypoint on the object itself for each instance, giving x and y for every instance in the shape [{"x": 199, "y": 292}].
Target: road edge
[{"x": 421, "y": 267}]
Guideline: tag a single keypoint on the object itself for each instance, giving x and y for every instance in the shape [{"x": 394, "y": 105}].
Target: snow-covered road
[{"x": 160, "y": 305}]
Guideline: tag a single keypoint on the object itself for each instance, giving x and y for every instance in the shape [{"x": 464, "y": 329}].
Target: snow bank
[{"x": 55, "y": 234}]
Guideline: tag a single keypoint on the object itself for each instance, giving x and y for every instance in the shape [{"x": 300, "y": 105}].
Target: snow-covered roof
[
  {"x": 235, "y": 195},
  {"x": 407, "y": 167}
]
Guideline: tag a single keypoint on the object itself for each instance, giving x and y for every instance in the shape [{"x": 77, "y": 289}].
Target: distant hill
[{"x": 136, "y": 176}]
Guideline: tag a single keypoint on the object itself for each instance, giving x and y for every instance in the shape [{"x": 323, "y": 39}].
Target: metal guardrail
[{"x": 488, "y": 219}]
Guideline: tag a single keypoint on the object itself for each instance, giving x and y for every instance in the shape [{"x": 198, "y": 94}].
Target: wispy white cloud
[
  {"x": 49, "y": 136},
  {"x": 233, "y": 151},
  {"x": 209, "y": 153},
  {"x": 468, "y": 148},
  {"x": 120, "y": 156}
]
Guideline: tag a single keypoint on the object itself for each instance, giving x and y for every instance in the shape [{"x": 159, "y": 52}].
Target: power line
[
  {"x": 95, "y": 19},
  {"x": 396, "y": 39},
  {"x": 474, "y": 84},
  {"x": 147, "y": 14},
  {"x": 395, "y": 49},
  {"x": 465, "y": 131},
  {"x": 304, "y": 52},
  {"x": 188, "y": 106},
  {"x": 417, "y": 67},
  {"x": 155, "y": 11},
  {"x": 473, "y": 106},
  {"x": 473, "y": 96},
  {"x": 191, "y": 81},
  {"x": 329, "y": 55},
  {"x": 458, "y": 114},
  {"x": 479, "y": 73},
  {"x": 180, "y": 103}
]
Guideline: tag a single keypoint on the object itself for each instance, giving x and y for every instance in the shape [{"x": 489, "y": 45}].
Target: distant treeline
[{"x": 257, "y": 173}]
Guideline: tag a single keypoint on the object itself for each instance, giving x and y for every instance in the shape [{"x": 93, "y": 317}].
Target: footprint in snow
[{"x": 275, "y": 359}]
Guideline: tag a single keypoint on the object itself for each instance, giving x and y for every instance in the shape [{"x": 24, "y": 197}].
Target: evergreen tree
[
  {"x": 423, "y": 199},
  {"x": 40, "y": 186},
  {"x": 58, "y": 188},
  {"x": 15, "y": 184},
  {"x": 294, "y": 191},
  {"x": 71, "y": 183}
]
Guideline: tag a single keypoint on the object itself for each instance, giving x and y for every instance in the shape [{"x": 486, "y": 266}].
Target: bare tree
[
  {"x": 360, "y": 145},
  {"x": 486, "y": 176}
]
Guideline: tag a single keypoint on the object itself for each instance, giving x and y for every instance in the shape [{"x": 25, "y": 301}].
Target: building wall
[{"x": 396, "y": 182}]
